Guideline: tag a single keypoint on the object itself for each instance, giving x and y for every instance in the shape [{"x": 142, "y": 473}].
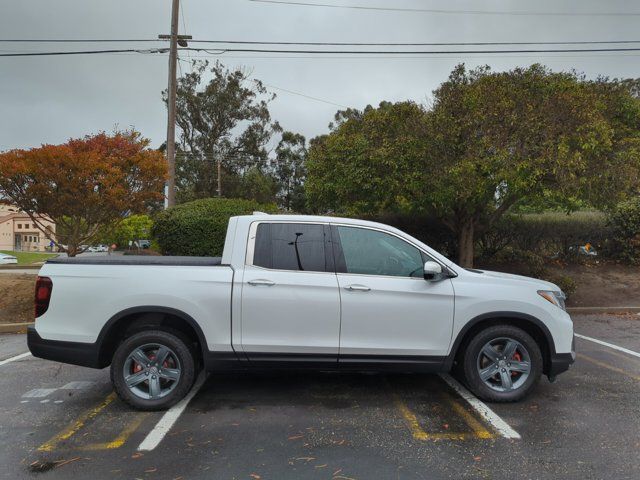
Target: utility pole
[
  {"x": 174, "y": 40},
  {"x": 219, "y": 177}
]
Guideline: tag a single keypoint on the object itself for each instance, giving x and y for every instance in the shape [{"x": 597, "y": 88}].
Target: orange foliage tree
[{"x": 84, "y": 185}]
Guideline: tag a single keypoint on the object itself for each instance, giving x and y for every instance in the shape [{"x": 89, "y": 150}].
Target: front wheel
[
  {"x": 152, "y": 370},
  {"x": 502, "y": 364}
]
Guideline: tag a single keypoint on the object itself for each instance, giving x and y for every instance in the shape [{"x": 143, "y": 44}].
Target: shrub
[
  {"x": 199, "y": 228},
  {"x": 520, "y": 262},
  {"x": 551, "y": 234},
  {"x": 566, "y": 283},
  {"x": 624, "y": 222}
]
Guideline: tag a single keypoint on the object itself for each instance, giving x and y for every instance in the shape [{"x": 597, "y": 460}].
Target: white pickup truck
[{"x": 294, "y": 291}]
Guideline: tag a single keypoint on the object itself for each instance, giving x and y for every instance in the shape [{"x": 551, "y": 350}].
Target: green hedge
[
  {"x": 199, "y": 228},
  {"x": 624, "y": 223},
  {"x": 551, "y": 234}
]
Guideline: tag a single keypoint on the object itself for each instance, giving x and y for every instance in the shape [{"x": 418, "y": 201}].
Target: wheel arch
[
  {"x": 137, "y": 318},
  {"x": 530, "y": 324}
]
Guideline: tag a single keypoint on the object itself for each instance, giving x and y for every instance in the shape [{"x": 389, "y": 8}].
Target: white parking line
[
  {"x": 170, "y": 417},
  {"x": 13, "y": 359},
  {"x": 39, "y": 392},
  {"x": 502, "y": 427},
  {"x": 610, "y": 345}
]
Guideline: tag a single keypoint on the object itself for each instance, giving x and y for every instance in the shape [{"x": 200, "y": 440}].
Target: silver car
[{"x": 6, "y": 259}]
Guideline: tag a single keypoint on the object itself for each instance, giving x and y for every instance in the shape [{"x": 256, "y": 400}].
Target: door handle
[
  {"x": 357, "y": 288},
  {"x": 266, "y": 283}
]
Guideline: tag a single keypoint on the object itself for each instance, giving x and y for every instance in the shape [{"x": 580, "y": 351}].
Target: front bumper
[
  {"x": 560, "y": 362},
  {"x": 75, "y": 353}
]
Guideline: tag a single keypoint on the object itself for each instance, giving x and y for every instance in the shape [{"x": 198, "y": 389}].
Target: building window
[{"x": 19, "y": 226}]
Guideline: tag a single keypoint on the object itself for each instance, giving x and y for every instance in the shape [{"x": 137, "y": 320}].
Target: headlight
[{"x": 555, "y": 297}]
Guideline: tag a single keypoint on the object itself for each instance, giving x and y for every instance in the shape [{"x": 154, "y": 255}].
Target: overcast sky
[{"x": 50, "y": 99}]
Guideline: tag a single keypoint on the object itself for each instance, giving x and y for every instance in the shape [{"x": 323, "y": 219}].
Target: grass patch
[{"x": 28, "y": 258}]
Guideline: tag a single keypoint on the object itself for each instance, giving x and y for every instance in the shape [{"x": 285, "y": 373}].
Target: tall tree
[
  {"x": 84, "y": 185},
  {"x": 489, "y": 141},
  {"x": 499, "y": 138},
  {"x": 223, "y": 117},
  {"x": 257, "y": 184},
  {"x": 290, "y": 170},
  {"x": 370, "y": 161}
]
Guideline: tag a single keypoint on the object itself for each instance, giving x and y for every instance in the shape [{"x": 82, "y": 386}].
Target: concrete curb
[
  {"x": 14, "y": 327},
  {"x": 597, "y": 310}
]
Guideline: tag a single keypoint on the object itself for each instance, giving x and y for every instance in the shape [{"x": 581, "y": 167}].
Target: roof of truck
[{"x": 257, "y": 216}]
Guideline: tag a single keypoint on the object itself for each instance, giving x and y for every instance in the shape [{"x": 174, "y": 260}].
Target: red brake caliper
[
  {"x": 517, "y": 357},
  {"x": 137, "y": 367}
]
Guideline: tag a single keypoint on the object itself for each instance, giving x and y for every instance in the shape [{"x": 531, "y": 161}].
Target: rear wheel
[
  {"x": 502, "y": 364},
  {"x": 153, "y": 370}
]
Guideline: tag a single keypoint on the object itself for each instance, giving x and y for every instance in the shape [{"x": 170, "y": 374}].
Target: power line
[
  {"x": 411, "y": 57},
  {"x": 77, "y": 40},
  {"x": 415, "y": 44},
  {"x": 306, "y": 96},
  {"x": 222, "y": 51},
  {"x": 84, "y": 52},
  {"x": 450, "y": 12},
  {"x": 416, "y": 52},
  {"x": 355, "y": 44}
]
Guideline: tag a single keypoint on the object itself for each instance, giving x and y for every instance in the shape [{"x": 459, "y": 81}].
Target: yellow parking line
[
  {"x": 478, "y": 429},
  {"x": 120, "y": 440},
  {"x": 607, "y": 366},
  {"x": 77, "y": 425},
  {"x": 620, "y": 355},
  {"x": 411, "y": 419}
]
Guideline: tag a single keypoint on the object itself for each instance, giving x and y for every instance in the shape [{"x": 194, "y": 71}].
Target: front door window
[{"x": 370, "y": 252}]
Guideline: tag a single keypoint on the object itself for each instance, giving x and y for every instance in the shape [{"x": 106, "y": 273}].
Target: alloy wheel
[
  {"x": 504, "y": 364},
  {"x": 152, "y": 371}
]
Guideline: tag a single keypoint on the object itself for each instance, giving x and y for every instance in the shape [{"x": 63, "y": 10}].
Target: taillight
[{"x": 44, "y": 287}]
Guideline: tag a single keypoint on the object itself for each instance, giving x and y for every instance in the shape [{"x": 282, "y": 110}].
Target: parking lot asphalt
[{"x": 59, "y": 421}]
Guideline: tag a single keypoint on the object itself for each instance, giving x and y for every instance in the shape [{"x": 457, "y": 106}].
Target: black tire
[
  {"x": 178, "y": 345},
  {"x": 471, "y": 371}
]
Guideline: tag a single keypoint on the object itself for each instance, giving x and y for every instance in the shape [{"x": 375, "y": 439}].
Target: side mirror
[{"x": 432, "y": 271}]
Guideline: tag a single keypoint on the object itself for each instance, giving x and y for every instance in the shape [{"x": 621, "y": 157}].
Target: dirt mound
[
  {"x": 16, "y": 297},
  {"x": 603, "y": 285}
]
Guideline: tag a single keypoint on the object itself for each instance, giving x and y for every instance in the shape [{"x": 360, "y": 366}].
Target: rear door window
[{"x": 290, "y": 246}]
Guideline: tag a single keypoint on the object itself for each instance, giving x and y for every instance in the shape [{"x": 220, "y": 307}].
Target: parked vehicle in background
[
  {"x": 6, "y": 259},
  {"x": 299, "y": 291},
  {"x": 97, "y": 248},
  {"x": 144, "y": 244}
]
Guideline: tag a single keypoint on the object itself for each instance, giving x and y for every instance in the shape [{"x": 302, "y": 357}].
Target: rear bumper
[{"x": 75, "y": 353}]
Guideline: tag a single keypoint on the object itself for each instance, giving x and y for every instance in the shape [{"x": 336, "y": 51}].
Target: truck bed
[{"x": 139, "y": 260}]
